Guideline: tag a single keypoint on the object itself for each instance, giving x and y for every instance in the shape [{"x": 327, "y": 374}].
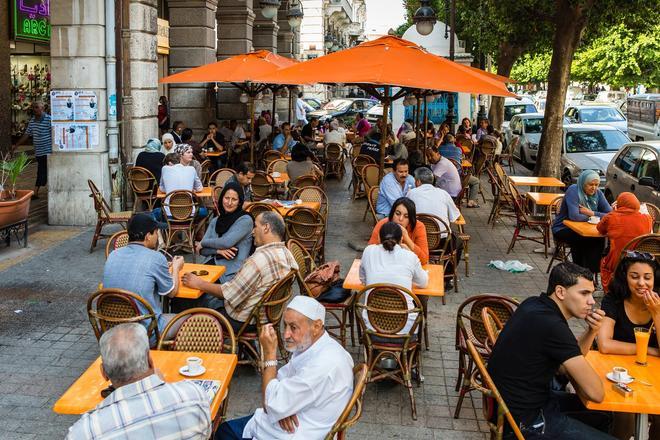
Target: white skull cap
[{"x": 308, "y": 307}]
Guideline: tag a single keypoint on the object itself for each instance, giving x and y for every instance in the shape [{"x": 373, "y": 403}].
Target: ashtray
[{"x": 200, "y": 273}]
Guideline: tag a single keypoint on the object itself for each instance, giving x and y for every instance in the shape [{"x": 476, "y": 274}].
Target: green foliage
[
  {"x": 10, "y": 169},
  {"x": 532, "y": 68}
]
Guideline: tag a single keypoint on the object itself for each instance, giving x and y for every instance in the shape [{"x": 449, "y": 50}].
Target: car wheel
[{"x": 567, "y": 178}]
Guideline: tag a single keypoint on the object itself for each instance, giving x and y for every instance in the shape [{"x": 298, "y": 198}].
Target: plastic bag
[{"x": 513, "y": 266}]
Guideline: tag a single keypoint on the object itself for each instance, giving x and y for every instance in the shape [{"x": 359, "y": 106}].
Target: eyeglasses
[{"x": 640, "y": 255}]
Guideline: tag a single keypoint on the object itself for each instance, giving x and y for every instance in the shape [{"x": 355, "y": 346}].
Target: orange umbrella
[
  {"x": 495, "y": 76},
  {"x": 241, "y": 71}
]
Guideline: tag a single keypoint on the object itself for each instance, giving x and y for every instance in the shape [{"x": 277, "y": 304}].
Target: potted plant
[{"x": 14, "y": 204}]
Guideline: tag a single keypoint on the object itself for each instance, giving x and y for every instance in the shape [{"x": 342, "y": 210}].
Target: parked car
[
  {"x": 597, "y": 114},
  {"x": 313, "y": 102},
  {"x": 540, "y": 104},
  {"x": 644, "y": 117},
  {"x": 375, "y": 113},
  {"x": 513, "y": 106},
  {"x": 589, "y": 147},
  {"x": 635, "y": 168},
  {"x": 614, "y": 96},
  {"x": 527, "y": 126},
  {"x": 344, "y": 108}
]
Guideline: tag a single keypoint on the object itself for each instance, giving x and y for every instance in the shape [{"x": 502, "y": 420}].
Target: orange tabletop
[
  {"x": 85, "y": 393},
  {"x": 585, "y": 229},
  {"x": 207, "y": 191},
  {"x": 536, "y": 181},
  {"x": 466, "y": 163},
  {"x": 436, "y": 286},
  {"x": 215, "y": 153},
  {"x": 283, "y": 210},
  {"x": 460, "y": 221},
  {"x": 214, "y": 273},
  {"x": 542, "y": 199},
  {"x": 287, "y": 156},
  {"x": 644, "y": 400},
  {"x": 282, "y": 178}
]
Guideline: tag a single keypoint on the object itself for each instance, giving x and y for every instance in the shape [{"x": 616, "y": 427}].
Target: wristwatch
[{"x": 266, "y": 364}]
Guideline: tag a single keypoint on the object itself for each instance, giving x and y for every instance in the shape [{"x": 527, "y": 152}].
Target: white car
[
  {"x": 513, "y": 106},
  {"x": 528, "y": 127},
  {"x": 374, "y": 113},
  {"x": 635, "y": 168},
  {"x": 602, "y": 114}
]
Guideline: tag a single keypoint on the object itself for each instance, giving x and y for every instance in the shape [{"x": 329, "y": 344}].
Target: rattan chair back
[
  {"x": 305, "y": 181},
  {"x": 469, "y": 322},
  {"x": 372, "y": 199},
  {"x": 204, "y": 174},
  {"x": 256, "y": 208},
  {"x": 654, "y": 212},
  {"x": 262, "y": 186},
  {"x": 220, "y": 177},
  {"x": 116, "y": 241},
  {"x": 370, "y": 175},
  {"x": 107, "y": 308},
  {"x": 437, "y": 231},
  {"x": 143, "y": 184},
  {"x": 466, "y": 143},
  {"x": 303, "y": 258},
  {"x": 353, "y": 410},
  {"x": 307, "y": 226},
  {"x": 492, "y": 324},
  {"x": 649, "y": 243},
  {"x": 100, "y": 204},
  {"x": 356, "y": 147},
  {"x": 278, "y": 165},
  {"x": 181, "y": 204},
  {"x": 333, "y": 152},
  {"x": 200, "y": 330},
  {"x": 387, "y": 309},
  {"x": 314, "y": 194},
  {"x": 271, "y": 155}
]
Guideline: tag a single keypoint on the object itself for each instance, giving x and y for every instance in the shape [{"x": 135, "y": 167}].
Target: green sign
[{"x": 32, "y": 20}]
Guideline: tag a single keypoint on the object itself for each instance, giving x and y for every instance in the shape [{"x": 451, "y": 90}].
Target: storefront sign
[{"x": 32, "y": 20}]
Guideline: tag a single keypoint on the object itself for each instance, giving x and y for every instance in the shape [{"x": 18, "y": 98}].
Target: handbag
[
  {"x": 322, "y": 278},
  {"x": 335, "y": 294}
]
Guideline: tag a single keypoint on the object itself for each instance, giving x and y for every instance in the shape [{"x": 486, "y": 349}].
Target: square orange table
[
  {"x": 644, "y": 400},
  {"x": 542, "y": 199},
  {"x": 215, "y": 153},
  {"x": 585, "y": 229},
  {"x": 436, "y": 286},
  {"x": 466, "y": 163},
  {"x": 283, "y": 210},
  {"x": 206, "y": 191},
  {"x": 214, "y": 273},
  {"x": 85, "y": 393},
  {"x": 282, "y": 178},
  {"x": 536, "y": 181}
]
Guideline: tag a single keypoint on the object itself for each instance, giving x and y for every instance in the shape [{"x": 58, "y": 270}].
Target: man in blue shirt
[
  {"x": 283, "y": 142},
  {"x": 140, "y": 269},
  {"x": 449, "y": 149},
  {"x": 42, "y": 138},
  {"x": 394, "y": 185}
]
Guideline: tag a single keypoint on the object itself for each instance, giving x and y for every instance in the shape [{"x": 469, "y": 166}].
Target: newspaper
[{"x": 211, "y": 387}]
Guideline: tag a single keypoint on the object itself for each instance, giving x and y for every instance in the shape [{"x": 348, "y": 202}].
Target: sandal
[{"x": 476, "y": 205}]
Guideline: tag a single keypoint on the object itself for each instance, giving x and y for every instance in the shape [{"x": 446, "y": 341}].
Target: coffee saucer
[
  {"x": 625, "y": 381},
  {"x": 185, "y": 372},
  {"x": 593, "y": 222}
]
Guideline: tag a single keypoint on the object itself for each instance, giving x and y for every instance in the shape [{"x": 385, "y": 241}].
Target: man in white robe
[{"x": 304, "y": 399}]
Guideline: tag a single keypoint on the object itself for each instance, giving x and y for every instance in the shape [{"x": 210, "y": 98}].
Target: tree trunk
[
  {"x": 5, "y": 79},
  {"x": 570, "y": 21},
  {"x": 507, "y": 54}
]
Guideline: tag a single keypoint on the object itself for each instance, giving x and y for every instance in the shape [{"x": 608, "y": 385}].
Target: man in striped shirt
[
  {"x": 42, "y": 138},
  {"x": 142, "y": 406}
]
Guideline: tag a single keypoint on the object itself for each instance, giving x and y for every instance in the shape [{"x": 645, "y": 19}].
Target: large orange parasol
[
  {"x": 388, "y": 62},
  {"x": 241, "y": 71}
]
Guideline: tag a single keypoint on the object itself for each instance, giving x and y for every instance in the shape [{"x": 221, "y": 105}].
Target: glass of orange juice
[{"x": 642, "y": 336}]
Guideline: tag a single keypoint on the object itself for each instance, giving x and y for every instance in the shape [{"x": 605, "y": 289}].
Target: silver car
[
  {"x": 635, "y": 168},
  {"x": 589, "y": 147},
  {"x": 528, "y": 127},
  {"x": 603, "y": 114}
]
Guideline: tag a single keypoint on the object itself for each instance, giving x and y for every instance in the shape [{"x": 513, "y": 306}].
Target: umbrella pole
[
  {"x": 417, "y": 131},
  {"x": 252, "y": 128},
  {"x": 426, "y": 124},
  {"x": 383, "y": 131},
  {"x": 290, "y": 106},
  {"x": 272, "y": 116}
]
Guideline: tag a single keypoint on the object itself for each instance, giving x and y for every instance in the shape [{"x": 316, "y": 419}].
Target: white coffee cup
[
  {"x": 594, "y": 219},
  {"x": 194, "y": 364},
  {"x": 620, "y": 374},
  {"x": 275, "y": 174}
]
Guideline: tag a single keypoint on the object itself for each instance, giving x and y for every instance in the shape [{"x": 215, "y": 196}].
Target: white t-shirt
[
  {"x": 400, "y": 267},
  {"x": 178, "y": 177},
  {"x": 435, "y": 201}
]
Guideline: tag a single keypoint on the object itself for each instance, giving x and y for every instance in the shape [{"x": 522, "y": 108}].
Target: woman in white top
[{"x": 388, "y": 262}]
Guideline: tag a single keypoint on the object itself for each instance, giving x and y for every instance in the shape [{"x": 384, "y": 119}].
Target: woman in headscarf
[
  {"x": 582, "y": 201},
  {"x": 168, "y": 144},
  {"x": 151, "y": 158},
  {"x": 185, "y": 151},
  {"x": 228, "y": 238},
  {"x": 620, "y": 226}
]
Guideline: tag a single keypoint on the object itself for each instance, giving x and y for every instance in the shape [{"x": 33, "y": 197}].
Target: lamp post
[
  {"x": 424, "y": 19},
  {"x": 295, "y": 15},
  {"x": 269, "y": 8}
]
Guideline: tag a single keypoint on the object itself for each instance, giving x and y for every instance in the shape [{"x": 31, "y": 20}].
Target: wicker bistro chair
[
  {"x": 204, "y": 175},
  {"x": 562, "y": 249},
  {"x": 199, "y": 329},
  {"x": 263, "y": 186},
  {"x": 144, "y": 186},
  {"x": 440, "y": 246},
  {"x": 183, "y": 206},
  {"x": 107, "y": 308},
  {"x": 527, "y": 221},
  {"x": 304, "y": 182},
  {"x": 104, "y": 216},
  {"x": 649, "y": 243},
  {"x": 359, "y": 162},
  {"x": 308, "y": 227},
  {"x": 370, "y": 176},
  {"x": 118, "y": 240},
  {"x": 470, "y": 327},
  {"x": 387, "y": 309},
  {"x": 507, "y": 154},
  {"x": 278, "y": 165},
  {"x": 220, "y": 177},
  {"x": 466, "y": 143},
  {"x": 502, "y": 198},
  {"x": 372, "y": 202},
  {"x": 493, "y": 401},
  {"x": 257, "y": 208},
  {"x": 343, "y": 313},
  {"x": 492, "y": 325},
  {"x": 354, "y": 406},
  {"x": 654, "y": 212},
  {"x": 268, "y": 310},
  {"x": 334, "y": 161},
  {"x": 271, "y": 155},
  {"x": 314, "y": 194}
]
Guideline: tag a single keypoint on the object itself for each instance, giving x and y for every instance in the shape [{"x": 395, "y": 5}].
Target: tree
[
  {"x": 532, "y": 68},
  {"x": 5, "y": 79}
]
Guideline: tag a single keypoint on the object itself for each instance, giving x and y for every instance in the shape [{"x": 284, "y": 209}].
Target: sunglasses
[{"x": 640, "y": 255}]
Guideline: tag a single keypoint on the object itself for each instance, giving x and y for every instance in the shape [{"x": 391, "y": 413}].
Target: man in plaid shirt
[
  {"x": 270, "y": 262},
  {"x": 142, "y": 406}
]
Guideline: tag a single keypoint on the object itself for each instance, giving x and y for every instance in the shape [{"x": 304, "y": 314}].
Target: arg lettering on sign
[{"x": 31, "y": 20}]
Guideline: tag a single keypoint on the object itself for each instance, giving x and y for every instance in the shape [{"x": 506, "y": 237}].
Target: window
[
  {"x": 627, "y": 160},
  {"x": 600, "y": 114},
  {"x": 534, "y": 125},
  {"x": 594, "y": 141},
  {"x": 511, "y": 110},
  {"x": 648, "y": 166}
]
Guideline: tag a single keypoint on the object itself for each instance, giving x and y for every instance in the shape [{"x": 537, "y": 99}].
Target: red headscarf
[{"x": 627, "y": 201}]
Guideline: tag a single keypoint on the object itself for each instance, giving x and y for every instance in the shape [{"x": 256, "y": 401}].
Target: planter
[{"x": 15, "y": 211}]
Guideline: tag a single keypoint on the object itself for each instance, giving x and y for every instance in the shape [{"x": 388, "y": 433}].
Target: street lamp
[
  {"x": 328, "y": 41},
  {"x": 424, "y": 18},
  {"x": 269, "y": 8},
  {"x": 295, "y": 15}
]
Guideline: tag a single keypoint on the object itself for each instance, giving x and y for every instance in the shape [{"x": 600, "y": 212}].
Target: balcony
[{"x": 339, "y": 7}]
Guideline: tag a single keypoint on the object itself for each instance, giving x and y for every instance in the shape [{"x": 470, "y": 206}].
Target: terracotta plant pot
[{"x": 16, "y": 210}]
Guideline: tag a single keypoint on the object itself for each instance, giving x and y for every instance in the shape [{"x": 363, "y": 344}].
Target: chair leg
[
  {"x": 466, "y": 257},
  {"x": 513, "y": 239},
  {"x": 351, "y": 317},
  {"x": 97, "y": 234},
  {"x": 465, "y": 388}
]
